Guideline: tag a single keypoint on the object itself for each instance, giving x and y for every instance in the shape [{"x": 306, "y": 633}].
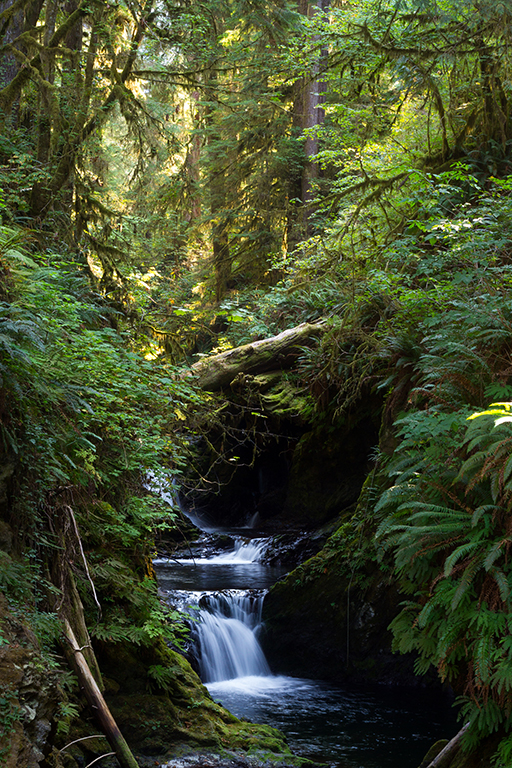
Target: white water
[
  {"x": 245, "y": 551},
  {"x": 229, "y": 622},
  {"x": 349, "y": 729},
  {"x": 227, "y": 642},
  {"x": 259, "y": 686}
]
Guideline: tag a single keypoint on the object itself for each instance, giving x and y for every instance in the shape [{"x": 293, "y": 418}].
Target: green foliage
[
  {"x": 67, "y": 712},
  {"x": 60, "y": 355},
  {"x": 163, "y": 677},
  {"x": 10, "y": 714},
  {"x": 185, "y": 199},
  {"x": 446, "y": 522},
  {"x": 90, "y": 420}
]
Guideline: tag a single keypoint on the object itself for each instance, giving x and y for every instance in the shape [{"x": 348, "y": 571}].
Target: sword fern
[{"x": 449, "y": 528}]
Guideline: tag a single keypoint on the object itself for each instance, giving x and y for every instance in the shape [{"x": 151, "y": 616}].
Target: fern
[{"x": 456, "y": 555}]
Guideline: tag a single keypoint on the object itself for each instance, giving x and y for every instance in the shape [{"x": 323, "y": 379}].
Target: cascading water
[
  {"x": 226, "y": 634},
  {"x": 347, "y": 729},
  {"x": 245, "y": 551},
  {"x": 226, "y": 629}
]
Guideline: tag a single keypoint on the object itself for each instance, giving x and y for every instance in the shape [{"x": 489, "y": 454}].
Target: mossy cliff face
[
  {"x": 329, "y": 617},
  {"x": 290, "y": 472},
  {"x": 321, "y": 621},
  {"x": 29, "y": 694},
  {"x": 328, "y": 469}
]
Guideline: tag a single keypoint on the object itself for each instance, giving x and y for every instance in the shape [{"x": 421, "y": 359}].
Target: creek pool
[
  {"x": 356, "y": 728},
  {"x": 352, "y": 727}
]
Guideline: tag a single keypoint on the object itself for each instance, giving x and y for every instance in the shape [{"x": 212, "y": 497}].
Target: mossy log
[{"x": 278, "y": 352}]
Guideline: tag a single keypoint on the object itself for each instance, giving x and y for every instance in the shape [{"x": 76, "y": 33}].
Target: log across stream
[{"x": 345, "y": 728}]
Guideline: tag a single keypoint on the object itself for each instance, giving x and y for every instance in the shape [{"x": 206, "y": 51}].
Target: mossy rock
[
  {"x": 154, "y": 725},
  {"x": 478, "y": 757},
  {"x": 328, "y": 470},
  {"x": 326, "y": 591},
  {"x": 30, "y": 694},
  {"x": 285, "y": 401},
  {"x": 165, "y": 718}
]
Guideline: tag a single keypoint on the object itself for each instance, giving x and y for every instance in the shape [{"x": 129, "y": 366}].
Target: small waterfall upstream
[
  {"x": 223, "y": 593},
  {"x": 245, "y": 551}
]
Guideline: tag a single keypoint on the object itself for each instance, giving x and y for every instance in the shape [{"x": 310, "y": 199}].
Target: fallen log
[
  {"x": 277, "y": 352},
  {"x": 97, "y": 702}
]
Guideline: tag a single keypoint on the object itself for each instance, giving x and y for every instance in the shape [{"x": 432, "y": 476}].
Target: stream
[{"x": 377, "y": 727}]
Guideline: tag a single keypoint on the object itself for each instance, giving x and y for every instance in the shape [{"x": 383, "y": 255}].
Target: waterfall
[
  {"x": 227, "y": 636},
  {"x": 225, "y": 629},
  {"x": 222, "y": 596},
  {"x": 245, "y": 551}
]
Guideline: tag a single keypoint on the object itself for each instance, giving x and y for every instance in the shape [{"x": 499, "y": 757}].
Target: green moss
[
  {"x": 175, "y": 711},
  {"x": 285, "y": 401},
  {"x": 434, "y": 750}
]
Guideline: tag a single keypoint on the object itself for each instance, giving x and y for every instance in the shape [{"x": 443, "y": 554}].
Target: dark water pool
[{"x": 356, "y": 728}]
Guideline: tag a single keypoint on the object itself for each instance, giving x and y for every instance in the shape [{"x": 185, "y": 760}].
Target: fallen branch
[
  {"x": 445, "y": 756},
  {"x": 77, "y": 534},
  {"x": 83, "y": 738},
  {"x": 97, "y": 702},
  {"x": 97, "y": 760}
]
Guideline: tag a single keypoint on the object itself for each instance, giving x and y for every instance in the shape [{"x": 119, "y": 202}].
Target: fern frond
[
  {"x": 482, "y": 655},
  {"x": 457, "y": 555},
  {"x": 465, "y": 582},
  {"x": 483, "y": 509},
  {"x": 502, "y": 582},
  {"x": 493, "y": 553}
]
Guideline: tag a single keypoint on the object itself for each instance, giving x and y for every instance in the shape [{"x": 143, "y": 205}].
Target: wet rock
[
  {"x": 235, "y": 761},
  {"x": 320, "y": 623},
  {"x": 291, "y": 549}
]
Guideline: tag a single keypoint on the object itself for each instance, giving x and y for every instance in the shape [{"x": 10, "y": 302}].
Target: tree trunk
[
  {"x": 279, "y": 352},
  {"x": 12, "y": 30},
  {"x": 192, "y": 163},
  {"x": 217, "y": 193},
  {"x": 313, "y": 113},
  {"x": 308, "y": 114},
  {"x": 19, "y": 18}
]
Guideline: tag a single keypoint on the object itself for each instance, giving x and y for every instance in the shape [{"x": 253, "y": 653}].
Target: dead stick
[
  {"x": 98, "y": 703},
  {"x": 446, "y": 754}
]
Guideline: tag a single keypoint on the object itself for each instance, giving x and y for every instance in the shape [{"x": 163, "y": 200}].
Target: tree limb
[
  {"x": 97, "y": 702},
  {"x": 445, "y": 756}
]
